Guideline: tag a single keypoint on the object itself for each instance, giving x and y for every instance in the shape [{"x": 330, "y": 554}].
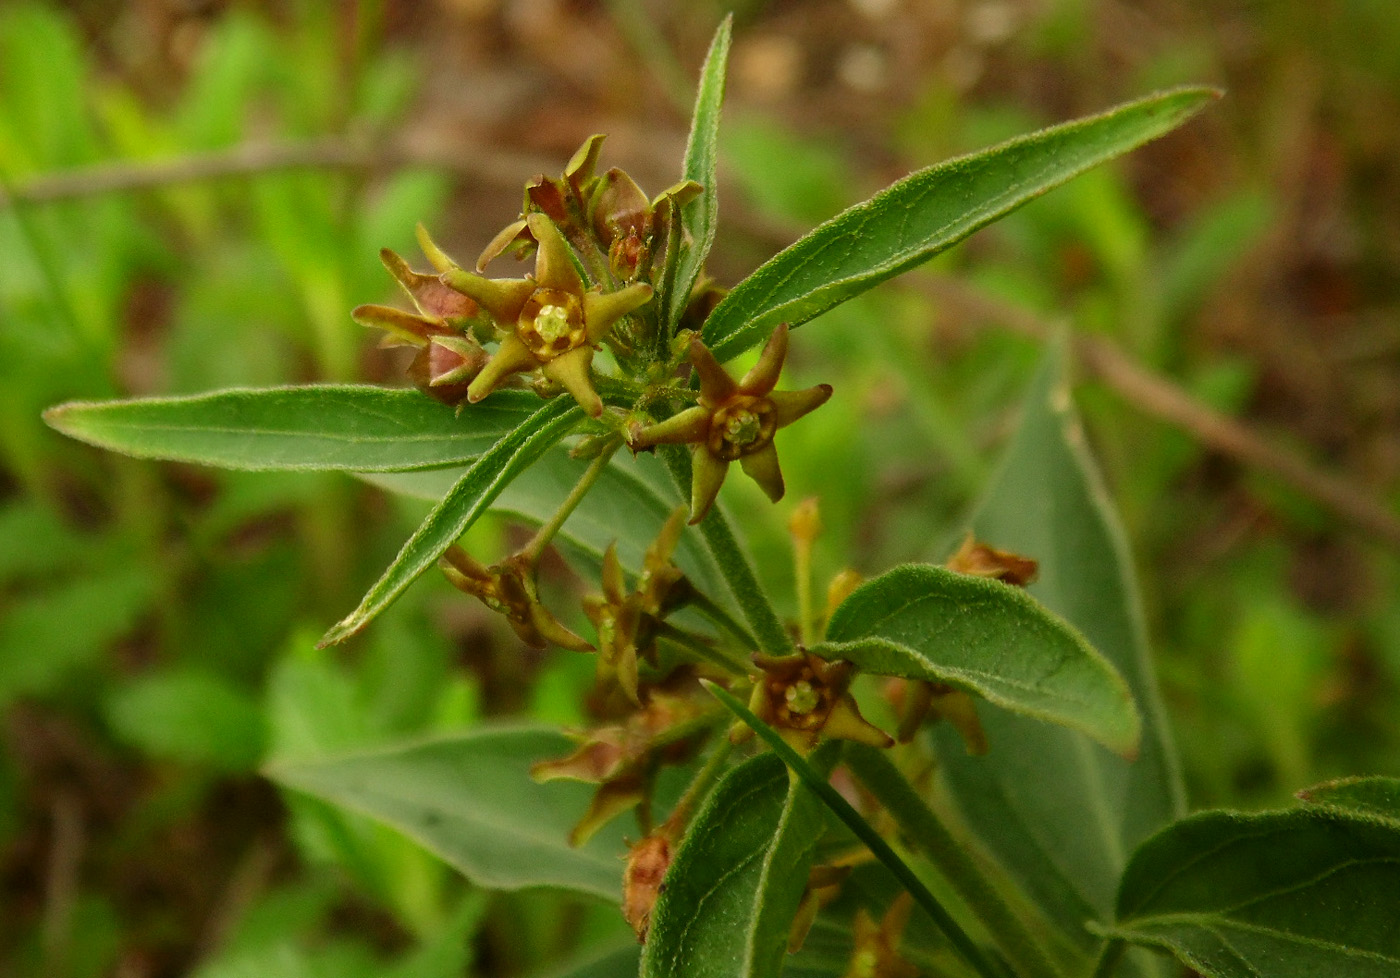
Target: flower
[
  {"x": 980, "y": 560},
  {"x": 509, "y": 589},
  {"x": 733, "y": 421},
  {"x": 448, "y": 357},
  {"x": 803, "y": 696},
  {"x": 626, "y": 620},
  {"x": 548, "y": 321},
  {"x": 623, "y": 759},
  {"x": 876, "y": 953}
]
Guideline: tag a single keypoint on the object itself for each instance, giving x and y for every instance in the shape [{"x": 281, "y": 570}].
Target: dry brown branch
[
  {"x": 337, "y": 153},
  {"x": 1158, "y": 397}
]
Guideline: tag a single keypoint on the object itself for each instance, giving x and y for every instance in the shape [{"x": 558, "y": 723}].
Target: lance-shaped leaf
[
  {"x": 346, "y": 427},
  {"x": 927, "y": 212},
  {"x": 925, "y": 622},
  {"x": 737, "y": 877},
  {"x": 460, "y": 508},
  {"x": 699, "y": 217},
  {"x": 1290, "y": 894},
  {"x": 1374, "y": 797},
  {"x": 1060, "y": 814},
  {"x": 470, "y": 800},
  {"x": 627, "y": 505}
]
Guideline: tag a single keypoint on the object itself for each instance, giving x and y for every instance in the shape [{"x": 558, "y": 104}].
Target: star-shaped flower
[
  {"x": 448, "y": 357},
  {"x": 733, "y": 421},
  {"x": 509, "y": 589},
  {"x": 804, "y": 696},
  {"x": 626, "y": 620},
  {"x": 876, "y": 954},
  {"x": 623, "y": 759},
  {"x": 548, "y": 321}
]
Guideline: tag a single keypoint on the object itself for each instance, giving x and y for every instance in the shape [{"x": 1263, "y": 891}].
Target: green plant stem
[
  {"x": 802, "y": 571},
  {"x": 693, "y": 643},
  {"x": 702, "y": 603},
  {"x": 545, "y": 534},
  {"x": 927, "y": 833},
  {"x": 698, "y": 789},
  {"x": 1109, "y": 957},
  {"x": 864, "y": 831},
  {"x": 753, "y": 600}
]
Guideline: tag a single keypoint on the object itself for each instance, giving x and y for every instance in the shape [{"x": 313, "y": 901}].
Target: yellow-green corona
[
  {"x": 548, "y": 321},
  {"x": 734, "y": 421}
]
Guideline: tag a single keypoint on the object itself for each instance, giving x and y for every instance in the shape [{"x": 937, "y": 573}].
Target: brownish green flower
[
  {"x": 876, "y": 953},
  {"x": 626, "y": 620},
  {"x": 980, "y": 560},
  {"x": 805, "y": 697},
  {"x": 508, "y": 588},
  {"x": 548, "y": 321},
  {"x": 734, "y": 421},
  {"x": 448, "y": 357},
  {"x": 623, "y": 759}
]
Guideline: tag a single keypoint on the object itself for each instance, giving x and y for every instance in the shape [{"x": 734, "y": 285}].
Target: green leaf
[
  {"x": 189, "y": 715},
  {"x": 348, "y": 427},
  {"x": 469, "y": 799},
  {"x": 47, "y": 636},
  {"x": 862, "y": 829},
  {"x": 1375, "y": 797},
  {"x": 928, "y": 212},
  {"x": 460, "y": 508},
  {"x": 733, "y": 888},
  {"x": 628, "y": 504},
  {"x": 925, "y": 622},
  {"x": 1059, "y": 813},
  {"x": 700, "y": 217},
  {"x": 1292, "y": 894}
]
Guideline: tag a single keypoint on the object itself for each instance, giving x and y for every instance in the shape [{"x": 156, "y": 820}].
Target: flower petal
[
  {"x": 764, "y": 375},
  {"x": 511, "y": 357},
  {"x": 716, "y": 386},
  {"x": 707, "y": 476},
  {"x": 602, "y": 309},
  {"x": 554, "y": 268},
  {"x": 690, "y": 425},
  {"x": 791, "y": 405},
  {"x": 404, "y": 327},
  {"x": 762, "y": 467},
  {"x": 503, "y": 298},
  {"x": 438, "y": 258},
  {"x": 571, "y": 371}
]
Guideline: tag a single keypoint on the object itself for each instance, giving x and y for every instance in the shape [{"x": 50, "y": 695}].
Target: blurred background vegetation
[{"x": 194, "y": 196}]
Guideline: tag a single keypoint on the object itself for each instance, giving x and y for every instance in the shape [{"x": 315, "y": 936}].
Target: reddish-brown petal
[
  {"x": 791, "y": 405},
  {"x": 554, "y": 267},
  {"x": 716, "y": 386},
  {"x": 764, "y": 375},
  {"x": 762, "y": 467}
]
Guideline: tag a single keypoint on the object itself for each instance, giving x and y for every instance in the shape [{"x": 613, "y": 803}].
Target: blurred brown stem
[
  {"x": 342, "y": 153},
  {"x": 1157, "y": 396}
]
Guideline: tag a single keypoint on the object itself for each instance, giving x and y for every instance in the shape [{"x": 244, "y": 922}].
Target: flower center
[
  {"x": 742, "y": 427},
  {"x": 552, "y": 323},
  {"x": 801, "y": 698}
]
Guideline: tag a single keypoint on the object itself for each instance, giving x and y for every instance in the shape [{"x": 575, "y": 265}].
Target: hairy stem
[
  {"x": 733, "y": 564},
  {"x": 546, "y": 533},
  {"x": 927, "y": 833},
  {"x": 698, "y": 789}
]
